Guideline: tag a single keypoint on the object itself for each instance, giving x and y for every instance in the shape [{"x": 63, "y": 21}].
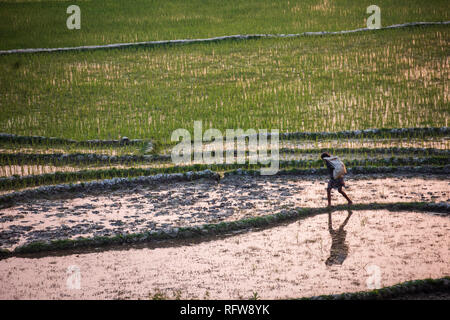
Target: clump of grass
[
  {"x": 158, "y": 295},
  {"x": 255, "y": 296}
]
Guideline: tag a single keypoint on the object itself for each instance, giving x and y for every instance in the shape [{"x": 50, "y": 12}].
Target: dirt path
[
  {"x": 303, "y": 258},
  {"x": 195, "y": 203}
]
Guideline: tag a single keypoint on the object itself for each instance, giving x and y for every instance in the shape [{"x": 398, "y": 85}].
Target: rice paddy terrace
[
  {"x": 115, "y": 206},
  {"x": 87, "y": 178}
]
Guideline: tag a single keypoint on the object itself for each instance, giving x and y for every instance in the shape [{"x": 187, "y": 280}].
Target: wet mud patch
[
  {"x": 180, "y": 204},
  {"x": 322, "y": 254}
]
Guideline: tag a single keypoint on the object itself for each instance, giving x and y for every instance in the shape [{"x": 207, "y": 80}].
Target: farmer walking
[{"x": 337, "y": 171}]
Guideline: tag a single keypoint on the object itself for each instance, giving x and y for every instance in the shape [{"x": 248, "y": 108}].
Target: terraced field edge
[
  {"x": 221, "y": 228},
  {"x": 433, "y": 165},
  {"x": 357, "y": 134},
  {"x": 214, "y": 39},
  {"x": 425, "y": 286}
]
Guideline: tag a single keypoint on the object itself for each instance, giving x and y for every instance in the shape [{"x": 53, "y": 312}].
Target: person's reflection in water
[{"x": 339, "y": 249}]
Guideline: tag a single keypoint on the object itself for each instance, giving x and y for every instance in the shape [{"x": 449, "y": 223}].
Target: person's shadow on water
[{"x": 339, "y": 248}]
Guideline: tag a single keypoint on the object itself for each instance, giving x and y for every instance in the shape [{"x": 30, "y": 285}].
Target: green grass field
[
  {"x": 377, "y": 79},
  {"x": 380, "y": 79},
  {"x": 36, "y": 24}
]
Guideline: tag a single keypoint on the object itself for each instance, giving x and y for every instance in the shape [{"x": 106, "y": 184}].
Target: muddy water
[
  {"x": 195, "y": 203},
  {"x": 317, "y": 255}
]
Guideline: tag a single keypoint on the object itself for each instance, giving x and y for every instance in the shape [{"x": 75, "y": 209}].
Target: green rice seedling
[{"x": 228, "y": 85}]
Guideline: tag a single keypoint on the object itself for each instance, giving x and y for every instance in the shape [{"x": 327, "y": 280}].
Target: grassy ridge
[
  {"x": 93, "y": 159},
  {"x": 384, "y": 79},
  {"x": 400, "y": 290},
  {"x": 37, "y": 24},
  {"x": 436, "y": 165}
]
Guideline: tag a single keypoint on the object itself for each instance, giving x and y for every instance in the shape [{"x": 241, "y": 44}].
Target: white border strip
[{"x": 232, "y": 37}]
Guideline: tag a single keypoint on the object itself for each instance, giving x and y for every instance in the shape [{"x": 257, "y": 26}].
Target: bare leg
[
  {"x": 345, "y": 195},
  {"x": 329, "y": 196}
]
